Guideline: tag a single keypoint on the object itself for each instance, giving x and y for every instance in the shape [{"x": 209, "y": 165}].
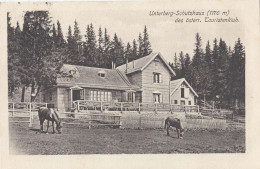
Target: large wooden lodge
[{"x": 145, "y": 80}]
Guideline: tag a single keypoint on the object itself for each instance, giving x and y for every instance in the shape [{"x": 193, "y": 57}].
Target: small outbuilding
[{"x": 181, "y": 93}]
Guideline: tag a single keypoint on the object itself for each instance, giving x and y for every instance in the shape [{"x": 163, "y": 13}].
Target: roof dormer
[{"x": 101, "y": 73}]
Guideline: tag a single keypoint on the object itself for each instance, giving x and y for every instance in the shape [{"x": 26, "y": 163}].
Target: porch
[{"x": 84, "y": 105}]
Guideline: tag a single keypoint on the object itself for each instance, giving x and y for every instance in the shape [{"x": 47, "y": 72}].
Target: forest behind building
[{"x": 38, "y": 50}]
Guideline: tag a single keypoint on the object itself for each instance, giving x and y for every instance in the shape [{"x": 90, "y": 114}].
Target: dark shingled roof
[
  {"x": 142, "y": 63},
  {"x": 82, "y": 76}
]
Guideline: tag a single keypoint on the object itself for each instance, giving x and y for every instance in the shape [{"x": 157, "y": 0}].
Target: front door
[
  {"x": 75, "y": 95},
  {"x": 182, "y": 105}
]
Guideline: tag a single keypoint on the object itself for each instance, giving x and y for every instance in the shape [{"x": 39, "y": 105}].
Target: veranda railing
[{"x": 128, "y": 106}]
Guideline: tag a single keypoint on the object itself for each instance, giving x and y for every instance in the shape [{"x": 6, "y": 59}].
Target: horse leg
[
  {"x": 53, "y": 127},
  {"x": 47, "y": 127},
  {"x": 41, "y": 124},
  {"x": 178, "y": 132},
  {"x": 167, "y": 127}
]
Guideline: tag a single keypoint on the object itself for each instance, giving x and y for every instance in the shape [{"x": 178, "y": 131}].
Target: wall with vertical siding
[
  {"x": 135, "y": 78},
  {"x": 64, "y": 99},
  {"x": 148, "y": 87},
  {"x": 50, "y": 96},
  {"x": 177, "y": 96}
]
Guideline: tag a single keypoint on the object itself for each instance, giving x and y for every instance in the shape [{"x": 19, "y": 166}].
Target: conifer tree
[
  {"x": 60, "y": 39},
  {"x": 107, "y": 48},
  {"x": 141, "y": 46},
  {"x": 134, "y": 51},
  {"x": 54, "y": 35},
  {"x": 14, "y": 66},
  {"x": 146, "y": 43},
  {"x": 128, "y": 51},
  {"x": 90, "y": 50},
  {"x": 117, "y": 51},
  {"x": 236, "y": 81}
]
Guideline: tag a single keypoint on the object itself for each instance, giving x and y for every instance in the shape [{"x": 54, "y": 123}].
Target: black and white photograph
[{"x": 128, "y": 78}]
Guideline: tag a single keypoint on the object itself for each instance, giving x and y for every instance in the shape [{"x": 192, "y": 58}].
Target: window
[
  {"x": 157, "y": 78},
  {"x": 101, "y": 73},
  {"x": 100, "y": 95},
  {"x": 182, "y": 92},
  {"x": 189, "y": 102},
  {"x": 175, "y": 101},
  {"x": 95, "y": 95},
  {"x": 157, "y": 98},
  {"x": 195, "y": 100},
  {"x": 131, "y": 96}
]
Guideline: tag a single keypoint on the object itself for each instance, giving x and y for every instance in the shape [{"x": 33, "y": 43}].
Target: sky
[{"x": 128, "y": 20}]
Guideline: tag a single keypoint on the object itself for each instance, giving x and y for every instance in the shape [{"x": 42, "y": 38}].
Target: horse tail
[{"x": 165, "y": 123}]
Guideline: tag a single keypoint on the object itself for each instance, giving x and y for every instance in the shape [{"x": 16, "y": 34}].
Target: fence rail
[
  {"x": 24, "y": 109},
  {"x": 127, "y": 106}
]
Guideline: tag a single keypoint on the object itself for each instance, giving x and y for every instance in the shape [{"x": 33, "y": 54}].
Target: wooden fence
[
  {"x": 24, "y": 110},
  {"x": 126, "y": 106},
  {"x": 218, "y": 113}
]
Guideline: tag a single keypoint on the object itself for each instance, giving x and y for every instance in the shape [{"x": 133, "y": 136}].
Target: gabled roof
[
  {"x": 175, "y": 84},
  {"x": 142, "y": 63},
  {"x": 82, "y": 76}
]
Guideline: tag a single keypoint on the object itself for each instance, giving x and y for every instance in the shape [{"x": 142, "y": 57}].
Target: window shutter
[
  {"x": 161, "y": 98},
  {"x": 160, "y": 78}
]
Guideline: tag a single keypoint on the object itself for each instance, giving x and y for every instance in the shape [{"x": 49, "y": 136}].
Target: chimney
[{"x": 126, "y": 65}]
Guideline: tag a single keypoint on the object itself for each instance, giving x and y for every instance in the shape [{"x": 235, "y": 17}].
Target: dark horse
[
  {"x": 50, "y": 115},
  {"x": 174, "y": 122}
]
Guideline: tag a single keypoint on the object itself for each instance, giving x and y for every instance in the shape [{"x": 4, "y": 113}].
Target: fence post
[
  {"x": 101, "y": 107},
  {"x": 139, "y": 108},
  {"x": 30, "y": 112},
  {"x": 121, "y": 107},
  {"x": 13, "y": 110},
  {"x": 78, "y": 105}
]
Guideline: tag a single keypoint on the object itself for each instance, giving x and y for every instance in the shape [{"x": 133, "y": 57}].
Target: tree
[
  {"x": 187, "y": 65},
  {"x": 236, "y": 81},
  {"x": 141, "y": 46},
  {"x": 200, "y": 79},
  {"x": 146, "y": 43},
  {"x": 128, "y": 51},
  {"x": 78, "y": 48},
  {"x": 107, "y": 48},
  {"x": 37, "y": 54},
  {"x": 100, "y": 49},
  {"x": 134, "y": 51},
  {"x": 222, "y": 64},
  {"x": 60, "y": 39},
  {"x": 117, "y": 51},
  {"x": 54, "y": 35},
  {"x": 14, "y": 66},
  {"x": 90, "y": 50}
]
